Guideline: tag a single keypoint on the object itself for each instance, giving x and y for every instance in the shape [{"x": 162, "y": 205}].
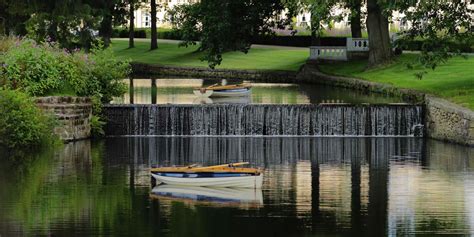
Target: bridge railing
[
  {"x": 337, "y": 53},
  {"x": 357, "y": 44}
]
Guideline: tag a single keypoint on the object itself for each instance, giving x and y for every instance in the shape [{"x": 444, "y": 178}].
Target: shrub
[
  {"x": 31, "y": 67},
  {"x": 5, "y": 44},
  {"x": 467, "y": 46},
  {"x": 124, "y": 33},
  {"x": 22, "y": 124},
  {"x": 101, "y": 74},
  {"x": 298, "y": 40},
  {"x": 45, "y": 69}
]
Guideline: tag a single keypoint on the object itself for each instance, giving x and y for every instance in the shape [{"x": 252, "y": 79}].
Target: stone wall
[
  {"x": 73, "y": 114},
  {"x": 443, "y": 120},
  {"x": 257, "y": 75},
  {"x": 449, "y": 122}
]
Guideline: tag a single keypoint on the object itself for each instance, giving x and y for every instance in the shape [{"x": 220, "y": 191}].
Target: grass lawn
[
  {"x": 453, "y": 81},
  {"x": 268, "y": 58}
]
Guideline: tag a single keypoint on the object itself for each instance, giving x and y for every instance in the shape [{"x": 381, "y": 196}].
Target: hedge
[
  {"x": 298, "y": 41},
  {"x": 284, "y": 40},
  {"x": 124, "y": 33},
  {"x": 416, "y": 45}
]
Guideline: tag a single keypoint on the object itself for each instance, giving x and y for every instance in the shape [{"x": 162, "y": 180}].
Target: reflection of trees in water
[
  {"x": 271, "y": 93},
  {"x": 68, "y": 187},
  {"x": 328, "y": 94},
  {"x": 262, "y": 151},
  {"x": 90, "y": 188}
]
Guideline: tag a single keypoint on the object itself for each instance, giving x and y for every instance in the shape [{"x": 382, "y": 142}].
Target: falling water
[{"x": 264, "y": 120}]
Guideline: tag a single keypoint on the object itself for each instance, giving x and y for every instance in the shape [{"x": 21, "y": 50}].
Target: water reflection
[
  {"x": 317, "y": 186},
  {"x": 237, "y": 197},
  {"x": 180, "y": 91}
]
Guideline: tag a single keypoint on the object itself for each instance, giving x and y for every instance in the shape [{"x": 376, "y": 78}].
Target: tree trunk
[
  {"x": 356, "y": 25},
  {"x": 131, "y": 43},
  {"x": 154, "y": 41},
  {"x": 315, "y": 37},
  {"x": 105, "y": 30},
  {"x": 380, "y": 51}
]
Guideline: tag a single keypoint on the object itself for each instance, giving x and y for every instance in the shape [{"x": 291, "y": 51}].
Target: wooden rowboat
[
  {"x": 223, "y": 91},
  {"x": 224, "y": 176}
]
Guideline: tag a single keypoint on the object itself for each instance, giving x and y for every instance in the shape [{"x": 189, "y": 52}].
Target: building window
[{"x": 303, "y": 19}]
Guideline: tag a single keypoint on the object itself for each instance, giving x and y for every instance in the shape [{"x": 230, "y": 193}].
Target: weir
[{"x": 264, "y": 120}]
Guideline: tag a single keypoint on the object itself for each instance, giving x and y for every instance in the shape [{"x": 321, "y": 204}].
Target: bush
[
  {"x": 162, "y": 33},
  {"x": 101, "y": 74},
  {"x": 124, "y": 33},
  {"x": 33, "y": 68},
  {"x": 417, "y": 45},
  {"x": 45, "y": 69},
  {"x": 298, "y": 40},
  {"x": 5, "y": 44},
  {"x": 22, "y": 124}
]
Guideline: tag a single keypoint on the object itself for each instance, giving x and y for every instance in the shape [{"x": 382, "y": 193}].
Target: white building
[
  {"x": 143, "y": 15},
  {"x": 302, "y": 20}
]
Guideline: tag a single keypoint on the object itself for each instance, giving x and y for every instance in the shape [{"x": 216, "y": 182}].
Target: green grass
[
  {"x": 453, "y": 80},
  {"x": 271, "y": 58}
]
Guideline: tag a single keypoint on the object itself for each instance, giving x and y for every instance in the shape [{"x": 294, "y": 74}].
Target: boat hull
[
  {"x": 210, "y": 194},
  {"x": 251, "y": 181},
  {"x": 223, "y": 93}
]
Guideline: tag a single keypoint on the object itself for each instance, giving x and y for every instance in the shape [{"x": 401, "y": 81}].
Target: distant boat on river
[
  {"x": 217, "y": 90},
  {"x": 224, "y": 176}
]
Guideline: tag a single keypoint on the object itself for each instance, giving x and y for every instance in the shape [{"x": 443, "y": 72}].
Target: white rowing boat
[
  {"x": 223, "y": 91},
  {"x": 223, "y": 176}
]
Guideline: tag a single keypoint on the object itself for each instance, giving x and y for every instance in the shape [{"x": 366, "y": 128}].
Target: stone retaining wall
[
  {"x": 449, "y": 122},
  {"x": 73, "y": 113},
  {"x": 443, "y": 120},
  {"x": 257, "y": 75}
]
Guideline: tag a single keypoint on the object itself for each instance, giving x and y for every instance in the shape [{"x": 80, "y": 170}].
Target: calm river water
[
  {"x": 180, "y": 91},
  {"x": 312, "y": 186}
]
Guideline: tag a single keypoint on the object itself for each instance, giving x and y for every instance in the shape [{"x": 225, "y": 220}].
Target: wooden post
[
  {"x": 130, "y": 90},
  {"x": 153, "y": 91}
]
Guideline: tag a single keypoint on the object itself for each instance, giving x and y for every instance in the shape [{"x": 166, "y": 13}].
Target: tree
[
  {"x": 113, "y": 12},
  {"x": 131, "y": 15},
  {"x": 69, "y": 23},
  {"x": 380, "y": 51},
  {"x": 13, "y": 15},
  {"x": 154, "y": 41},
  {"x": 442, "y": 26},
  {"x": 355, "y": 17},
  {"x": 226, "y": 25}
]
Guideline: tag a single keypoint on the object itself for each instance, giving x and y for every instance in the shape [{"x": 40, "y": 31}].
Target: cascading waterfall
[{"x": 264, "y": 120}]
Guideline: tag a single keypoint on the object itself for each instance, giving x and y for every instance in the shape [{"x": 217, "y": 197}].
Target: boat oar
[
  {"x": 192, "y": 167},
  {"x": 220, "y": 166}
]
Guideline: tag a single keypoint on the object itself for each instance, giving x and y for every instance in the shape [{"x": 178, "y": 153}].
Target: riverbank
[
  {"x": 453, "y": 80},
  {"x": 169, "y": 54}
]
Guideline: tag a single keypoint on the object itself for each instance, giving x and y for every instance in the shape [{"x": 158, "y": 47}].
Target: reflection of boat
[
  {"x": 227, "y": 175},
  {"x": 208, "y": 195},
  {"x": 223, "y": 100},
  {"x": 223, "y": 91}
]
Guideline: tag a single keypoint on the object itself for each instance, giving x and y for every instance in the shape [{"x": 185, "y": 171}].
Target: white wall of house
[{"x": 303, "y": 20}]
